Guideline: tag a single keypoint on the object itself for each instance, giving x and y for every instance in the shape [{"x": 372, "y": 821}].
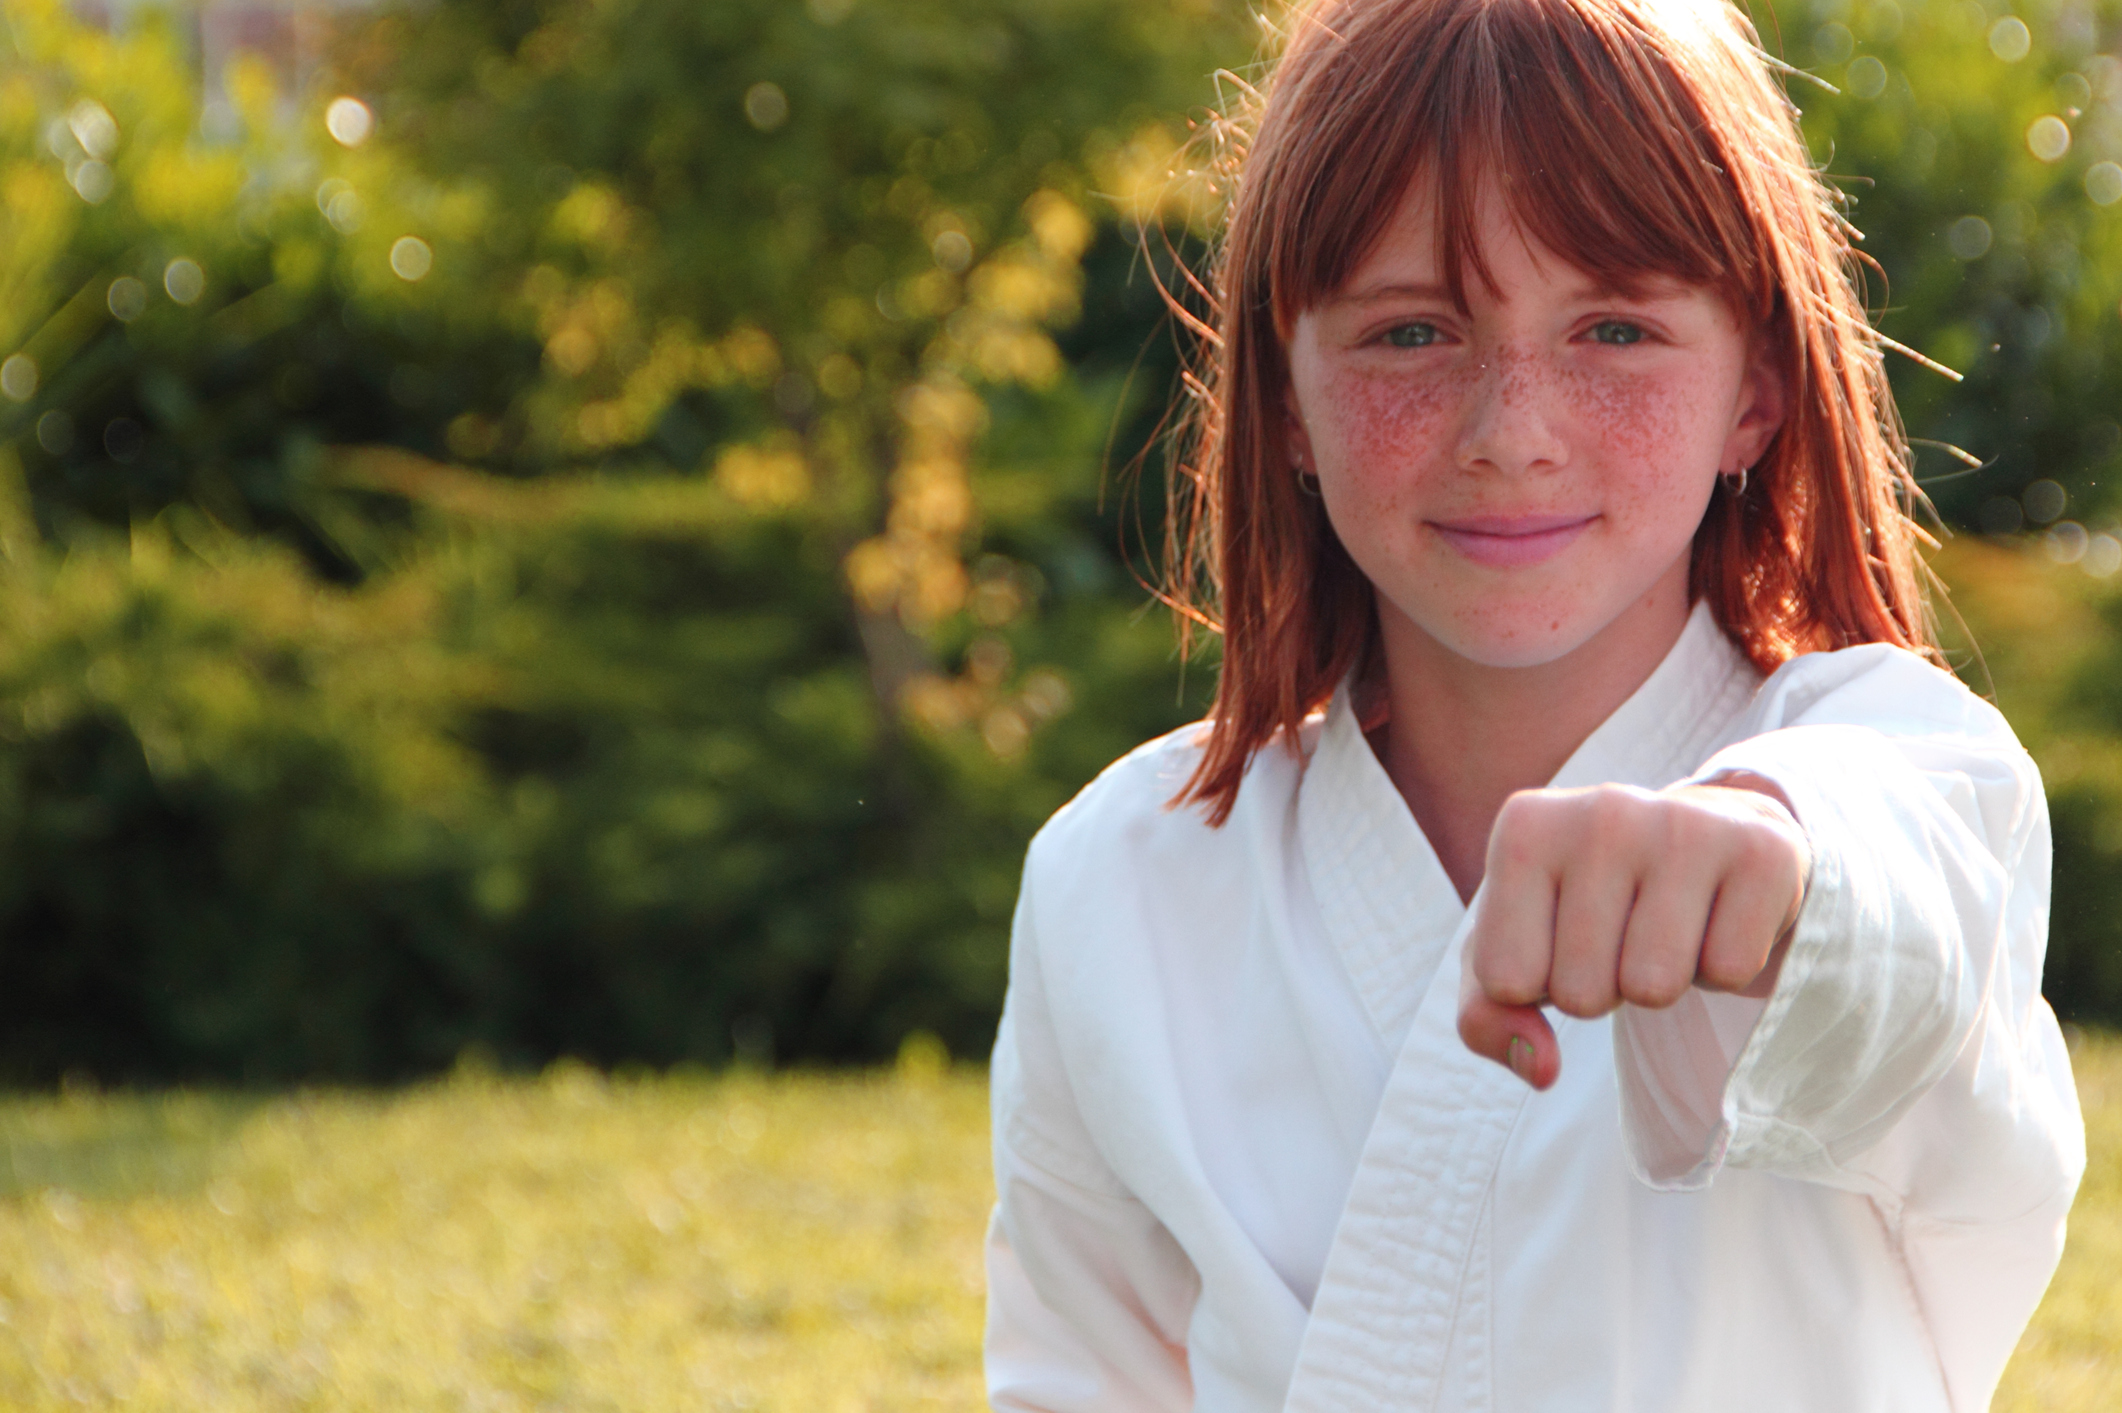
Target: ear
[
  {"x": 1764, "y": 400},
  {"x": 1297, "y": 443}
]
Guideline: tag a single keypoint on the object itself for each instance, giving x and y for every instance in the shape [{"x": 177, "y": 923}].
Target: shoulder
[
  {"x": 1885, "y": 688},
  {"x": 1125, "y": 828}
]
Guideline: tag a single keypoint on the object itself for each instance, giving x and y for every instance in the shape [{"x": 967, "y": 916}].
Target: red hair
[{"x": 1636, "y": 138}]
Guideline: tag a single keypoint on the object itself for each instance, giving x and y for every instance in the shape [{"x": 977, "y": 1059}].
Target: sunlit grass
[
  {"x": 802, "y": 1243},
  {"x": 799, "y": 1243}
]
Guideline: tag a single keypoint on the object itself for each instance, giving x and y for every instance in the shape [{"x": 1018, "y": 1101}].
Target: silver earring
[
  {"x": 1307, "y": 483},
  {"x": 1738, "y": 482}
]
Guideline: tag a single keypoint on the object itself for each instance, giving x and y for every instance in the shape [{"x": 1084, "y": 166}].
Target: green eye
[
  {"x": 1416, "y": 335},
  {"x": 1615, "y": 331}
]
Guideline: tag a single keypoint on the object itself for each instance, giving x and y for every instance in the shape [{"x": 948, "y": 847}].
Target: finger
[
  {"x": 1592, "y": 907},
  {"x": 1516, "y": 1037},
  {"x": 1662, "y": 948},
  {"x": 1752, "y": 906},
  {"x": 1745, "y": 923},
  {"x": 1511, "y": 946},
  {"x": 1766, "y": 859}
]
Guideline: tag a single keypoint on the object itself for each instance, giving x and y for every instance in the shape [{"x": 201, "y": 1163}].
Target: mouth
[{"x": 1508, "y": 541}]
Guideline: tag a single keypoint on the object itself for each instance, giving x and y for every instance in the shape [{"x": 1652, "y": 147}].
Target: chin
[
  {"x": 1519, "y": 652},
  {"x": 1531, "y": 639}
]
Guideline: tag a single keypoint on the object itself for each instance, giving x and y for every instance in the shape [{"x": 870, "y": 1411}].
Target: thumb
[{"x": 1516, "y": 1037}]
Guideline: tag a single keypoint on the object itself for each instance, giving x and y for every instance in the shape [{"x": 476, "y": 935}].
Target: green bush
[
  {"x": 704, "y": 706},
  {"x": 617, "y": 559},
  {"x": 1979, "y": 144}
]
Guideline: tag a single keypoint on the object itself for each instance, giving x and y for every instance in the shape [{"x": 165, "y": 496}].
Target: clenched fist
[{"x": 1598, "y": 896}]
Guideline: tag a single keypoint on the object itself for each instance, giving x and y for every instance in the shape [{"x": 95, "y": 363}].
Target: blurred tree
[
  {"x": 782, "y": 555},
  {"x": 1980, "y": 145},
  {"x": 588, "y": 532}
]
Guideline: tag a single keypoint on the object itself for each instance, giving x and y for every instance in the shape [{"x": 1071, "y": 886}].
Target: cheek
[
  {"x": 1384, "y": 425},
  {"x": 1635, "y": 419},
  {"x": 1654, "y": 438}
]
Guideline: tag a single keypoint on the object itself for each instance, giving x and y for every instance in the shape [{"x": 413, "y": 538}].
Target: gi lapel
[
  {"x": 1403, "y": 1305},
  {"x": 1385, "y": 900},
  {"x": 1383, "y": 1320}
]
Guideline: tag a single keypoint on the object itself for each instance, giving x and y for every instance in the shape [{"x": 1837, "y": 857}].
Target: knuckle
[
  {"x": 1728, "y": 969},
  {"x": 1583, "y": 987},
  {"x": 1515, "y": 989},
  {"x": 1522, "y": 830},
  {"x": 1654, "y": 979},
  {"x": 1581, "y": 997},
  {"x": 1489, "y": 969},
  {"x": 1767, "y": 851},
  {"x": 1609, "y": 810},
  {"x": 1515, "y": 852}
]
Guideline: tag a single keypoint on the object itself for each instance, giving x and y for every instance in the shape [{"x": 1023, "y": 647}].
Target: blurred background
[{"x": 598, "y": 528}]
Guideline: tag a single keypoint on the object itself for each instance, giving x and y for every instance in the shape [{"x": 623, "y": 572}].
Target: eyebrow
[
  {"x": 1653, "y": 289},
  {"x": 1373, "y": 294}
]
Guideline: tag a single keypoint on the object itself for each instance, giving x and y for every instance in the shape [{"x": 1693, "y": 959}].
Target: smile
[{"x": 1507, "y": 541}]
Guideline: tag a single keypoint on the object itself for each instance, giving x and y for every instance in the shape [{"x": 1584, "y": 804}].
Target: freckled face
[{"x": 1524, "y": 477}]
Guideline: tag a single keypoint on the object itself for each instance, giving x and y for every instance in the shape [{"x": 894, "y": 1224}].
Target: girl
[{"x": 1590, "y": 958}]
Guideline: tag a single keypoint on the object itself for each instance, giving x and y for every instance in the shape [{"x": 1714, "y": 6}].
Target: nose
[{"x": 1507, "y": 426}]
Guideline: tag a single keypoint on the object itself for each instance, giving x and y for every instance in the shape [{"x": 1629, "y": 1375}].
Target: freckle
[{"x": 1388, "y": 420}]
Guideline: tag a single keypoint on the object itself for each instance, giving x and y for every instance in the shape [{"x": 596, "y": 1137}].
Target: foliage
[
  {"x": 703, "y": 705},
  {"x": 2050, "y": 644},
  {"x": 794, "y": 1243},
  {"x": 1979, "y": 146},
  {"x": 604, "y": 546}
]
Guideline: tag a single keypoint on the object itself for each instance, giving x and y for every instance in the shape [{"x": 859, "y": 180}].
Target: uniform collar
[{"x": 1384, "y": 896}]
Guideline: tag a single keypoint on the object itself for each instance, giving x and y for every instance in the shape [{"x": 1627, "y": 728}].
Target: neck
[{"x": 1464, "y": 737}]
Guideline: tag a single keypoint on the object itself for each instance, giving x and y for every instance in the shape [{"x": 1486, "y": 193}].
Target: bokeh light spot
[
  {"x": 2044, "y": 501},
  {"x": 18, "y": 377},
  {"x": 2066, "y": 542},
  {"x": 127, "y": 298},
  {"x": 55, "y": 433},
  {"x": 92, "y": 181},
  {"x": 94, "y": 128},
  {"x": 184, "y": 280},
  {"x": 2103, "y": 556},
  {"x": 2010, "y": 39},
  {"x": 1866, "y": 78},
  {"x": 953, "y": 251},
  {"x": 2048, "y": 138},
  {"x": 1969, "y": 237},
  {"x": 411, "y": 258},
  {"x": 344, "y": 210},
  {"x": 2103, "y": 183},
  {"x": 123, "y": 439},
  {"x": 765, "y": 106},
  {"x": 349, "y": 121}
]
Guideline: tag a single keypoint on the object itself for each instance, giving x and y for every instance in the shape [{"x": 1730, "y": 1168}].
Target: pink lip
[{"x": 1507, "y": 541}]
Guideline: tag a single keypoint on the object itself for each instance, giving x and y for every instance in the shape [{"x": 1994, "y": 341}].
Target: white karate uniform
[{"x": 1244, "y": 1162}]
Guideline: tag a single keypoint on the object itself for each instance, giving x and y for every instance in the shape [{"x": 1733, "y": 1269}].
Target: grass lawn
[{"x": 803, "y": 1243}]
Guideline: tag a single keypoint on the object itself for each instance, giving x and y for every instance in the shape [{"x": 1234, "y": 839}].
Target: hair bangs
[{"x": 1591, "y": 129}]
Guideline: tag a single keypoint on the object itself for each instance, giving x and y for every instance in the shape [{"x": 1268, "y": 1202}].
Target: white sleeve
[
  {"x": 1088, "y": 1296},
  {"x": 1906, "y": 1053}
]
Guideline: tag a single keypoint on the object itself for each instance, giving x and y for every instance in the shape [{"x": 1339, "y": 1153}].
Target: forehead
[{"x": 1496, "y": 254}]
